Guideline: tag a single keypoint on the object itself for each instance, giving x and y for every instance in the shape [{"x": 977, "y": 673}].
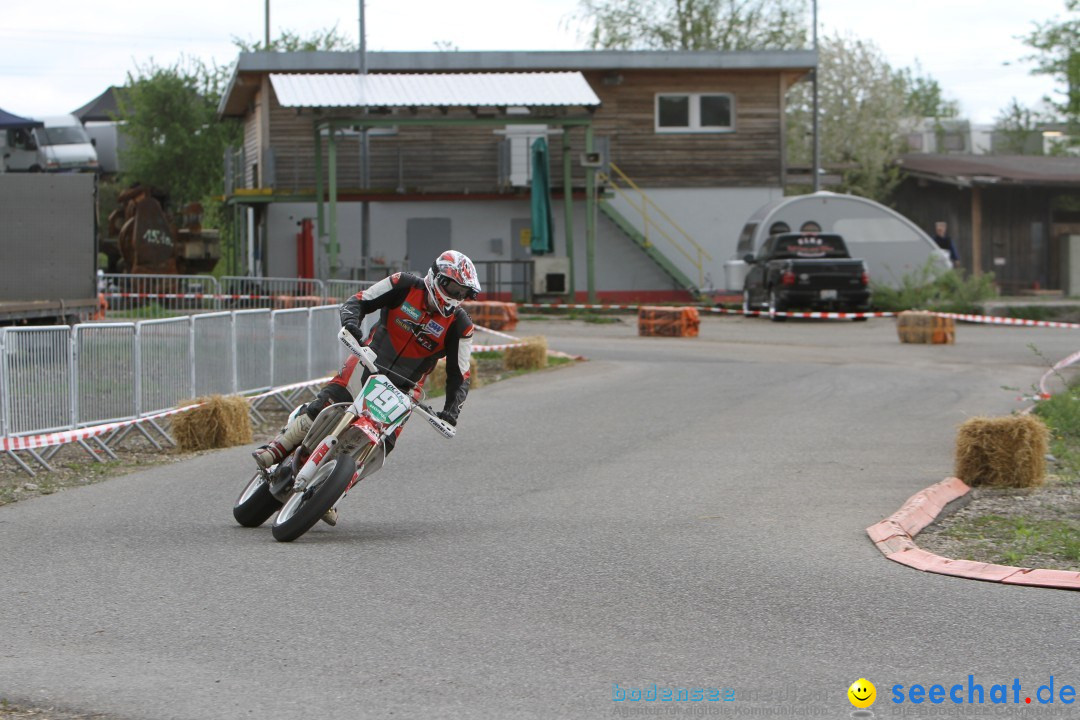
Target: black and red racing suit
[{"x": 408, "y": 340}]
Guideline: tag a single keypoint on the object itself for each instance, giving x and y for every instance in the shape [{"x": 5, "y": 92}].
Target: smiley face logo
[{"x": 862, "y": 693}]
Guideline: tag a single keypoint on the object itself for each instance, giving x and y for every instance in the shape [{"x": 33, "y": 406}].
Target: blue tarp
[
  {"x": 543, "y": 229},
  {"x": 9, "y": 121}
]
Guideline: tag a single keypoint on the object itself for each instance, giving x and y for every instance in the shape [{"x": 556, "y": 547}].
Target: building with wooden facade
[
  {"x": 1007, "y": 214},
  {"x": 684, "y": 146}
]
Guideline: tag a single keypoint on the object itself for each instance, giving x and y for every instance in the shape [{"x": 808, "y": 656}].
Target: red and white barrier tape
[
  {"x": 1044, "y": 393},
  {"x": 811, "y": 315},
  {"x": 994, "y": 320},
  {"x": 30, "y": 442},
  {"x": 493, "y": 348},
  {"x": 202, "y": 296},
  {"x": 485, "y": 348},
  {"x": 567, "y": 306}
]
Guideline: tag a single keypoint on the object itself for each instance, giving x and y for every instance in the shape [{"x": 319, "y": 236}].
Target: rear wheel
[
  {"x": 255, "y": 504},
  {"x": 774, "y": 307},
  {"x": 303, "y": 510}
]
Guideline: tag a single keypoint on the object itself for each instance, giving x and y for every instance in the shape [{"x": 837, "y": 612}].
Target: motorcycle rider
[{"x": 421, "y": 321}]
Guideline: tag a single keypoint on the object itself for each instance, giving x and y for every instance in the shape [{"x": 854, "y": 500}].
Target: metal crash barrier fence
[
  {"x": 61, "y": 378},
  {"x": 135, "y": 297}
]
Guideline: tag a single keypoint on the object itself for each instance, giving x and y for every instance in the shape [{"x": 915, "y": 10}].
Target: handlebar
[{"x": 367, "y": 357}]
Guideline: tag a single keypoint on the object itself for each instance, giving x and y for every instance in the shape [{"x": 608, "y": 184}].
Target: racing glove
[{"x": 354, "y": 330}]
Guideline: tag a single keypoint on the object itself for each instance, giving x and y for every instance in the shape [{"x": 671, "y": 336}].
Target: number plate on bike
[{"x": 383, "y": 401}]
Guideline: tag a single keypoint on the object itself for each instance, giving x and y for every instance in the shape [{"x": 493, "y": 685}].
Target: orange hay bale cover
[
  {"x": 927, "y": 328},
  {"x": 492, "y": 314},
  {"x": 668, "y": 321}
]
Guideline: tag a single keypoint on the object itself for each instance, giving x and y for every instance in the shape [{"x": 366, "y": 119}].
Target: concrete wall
[{"x": 480, "y": 229}]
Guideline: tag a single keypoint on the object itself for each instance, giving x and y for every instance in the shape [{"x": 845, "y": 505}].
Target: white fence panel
[
  {"x": 338, "y": 291},
  {"x": 254, "y": 369},
  {"x": 240, "y": 293},
  {"x": 37, "y": 378},
  {"x": 291, "y": 346},
  {"x": 106, "y": 377},
  {"x": 327, "y": 352},
  {"x": 151, "y": 296},
  {"x": 212, "y": 353},
  {"x": 165, "y": 376}
]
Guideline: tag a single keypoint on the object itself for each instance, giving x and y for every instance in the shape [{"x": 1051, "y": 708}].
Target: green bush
[{"x": 932, "y": 288}]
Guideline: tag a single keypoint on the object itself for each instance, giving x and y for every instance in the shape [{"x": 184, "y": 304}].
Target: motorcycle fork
[{"x": 323, "y": 451}]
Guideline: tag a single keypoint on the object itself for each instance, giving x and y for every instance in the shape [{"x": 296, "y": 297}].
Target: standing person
[
  {"x": 421, "y": 320},
  {"x": 941, "y": 237}
]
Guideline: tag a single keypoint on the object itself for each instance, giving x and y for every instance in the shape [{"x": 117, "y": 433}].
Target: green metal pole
[
  {"x": 333, "y": 205},
  {"x": 590, "y": 219},
  {"x": 320, "y": 221},
  {"x": 568, "y": 206}
]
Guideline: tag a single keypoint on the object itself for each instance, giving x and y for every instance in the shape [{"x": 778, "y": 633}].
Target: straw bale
[
  {"x": 916, "y": 326},
  {"x": 1005, "y": 452},
  {"x": 530, "y": 356},
  {"x": 437, "y": 379},
  {"x": 220, "y": 421}
]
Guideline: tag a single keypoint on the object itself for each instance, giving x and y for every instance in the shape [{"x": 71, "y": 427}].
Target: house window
[{"x": 695, "y": 112}]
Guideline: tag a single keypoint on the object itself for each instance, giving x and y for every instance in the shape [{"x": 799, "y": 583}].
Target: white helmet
[{"x": 451, "y": 279}]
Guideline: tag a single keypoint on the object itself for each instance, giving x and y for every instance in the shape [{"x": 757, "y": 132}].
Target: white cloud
[{"x": 54, "y": 59}]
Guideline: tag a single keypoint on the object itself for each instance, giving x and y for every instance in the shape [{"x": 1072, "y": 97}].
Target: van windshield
[{"x": 68, "y": 135}]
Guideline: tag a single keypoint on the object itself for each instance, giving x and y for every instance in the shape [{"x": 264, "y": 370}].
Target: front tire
[
  {"x": 303, "y": 510},
  {"x": 255, "y": 504}
]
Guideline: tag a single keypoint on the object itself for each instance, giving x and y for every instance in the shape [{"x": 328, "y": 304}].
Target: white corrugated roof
[{"x": 434, "y": 90}]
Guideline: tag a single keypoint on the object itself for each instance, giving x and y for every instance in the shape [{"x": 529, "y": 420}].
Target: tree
[
  {"x": 695, "y": 24},
  {"x": 288, "y": 41},
  {"x": 175, "y": 141},
  {"x": 862, "y": 103},
  {"x": 1017, "y": 130},
  {"x": 925, "y": 98},
  {"x": 1057, "y": 43}
]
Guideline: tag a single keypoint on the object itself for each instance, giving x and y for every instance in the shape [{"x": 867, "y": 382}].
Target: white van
[{"x": 61, "y": 145}]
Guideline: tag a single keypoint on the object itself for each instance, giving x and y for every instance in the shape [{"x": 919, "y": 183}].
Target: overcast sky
[{"x": 56, "y": 57}]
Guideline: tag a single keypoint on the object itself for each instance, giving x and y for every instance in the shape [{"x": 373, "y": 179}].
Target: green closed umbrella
[{"x": 543, "y": 228}]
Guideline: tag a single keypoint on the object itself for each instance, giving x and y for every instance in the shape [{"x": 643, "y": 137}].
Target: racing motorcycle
[{"x": 346, "y": 443}]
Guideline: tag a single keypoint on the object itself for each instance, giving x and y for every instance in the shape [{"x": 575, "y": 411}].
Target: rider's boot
[
  {"x": 330, "y": 518},
  {"x": 280, "y": 447}
]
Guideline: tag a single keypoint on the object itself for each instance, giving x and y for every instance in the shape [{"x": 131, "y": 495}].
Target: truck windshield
[{"x": 68, "y": 135}]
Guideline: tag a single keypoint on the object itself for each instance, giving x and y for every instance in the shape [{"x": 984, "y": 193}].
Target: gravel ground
[{"x": 951, "y": 535}]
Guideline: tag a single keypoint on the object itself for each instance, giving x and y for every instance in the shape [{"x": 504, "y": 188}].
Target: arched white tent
[{"x": 891, "y": 245}]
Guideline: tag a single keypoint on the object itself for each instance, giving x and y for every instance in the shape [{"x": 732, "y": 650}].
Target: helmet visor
[{"x": 454, "y": 289}]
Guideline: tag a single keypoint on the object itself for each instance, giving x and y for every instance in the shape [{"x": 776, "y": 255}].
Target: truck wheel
[{"x": 775, "y": 307}]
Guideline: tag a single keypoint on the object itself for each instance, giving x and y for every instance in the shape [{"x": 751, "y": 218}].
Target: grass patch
[
  {"x": 1020, "y": 540},
  {"x": 932, "y": 288}
]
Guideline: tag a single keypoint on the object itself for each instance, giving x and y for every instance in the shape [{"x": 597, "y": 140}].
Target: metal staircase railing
[{"x": 655, "y": 220}]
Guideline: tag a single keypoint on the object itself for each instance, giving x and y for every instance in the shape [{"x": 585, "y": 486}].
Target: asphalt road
[{"x": 684, "y": 512}]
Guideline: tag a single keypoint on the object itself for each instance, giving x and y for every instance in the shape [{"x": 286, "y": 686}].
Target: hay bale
[
  {"x": 530, "y": 356},
  {"x": 916, "y": 326},
  {"x": 437, "y": 379},
  {"x": 1003, "y": 452},
  {"x": 220, "y": 421}
]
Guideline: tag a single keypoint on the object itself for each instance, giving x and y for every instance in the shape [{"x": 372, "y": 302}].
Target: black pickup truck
[{"x": 805, "y": 271}]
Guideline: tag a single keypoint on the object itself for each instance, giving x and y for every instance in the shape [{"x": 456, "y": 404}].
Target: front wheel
[
  {"x": 304, "y": 509},
  {"x": 255, "y": 504}
]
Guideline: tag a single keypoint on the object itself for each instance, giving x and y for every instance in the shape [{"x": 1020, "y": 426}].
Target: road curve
[{"x": 687, "y": 513}]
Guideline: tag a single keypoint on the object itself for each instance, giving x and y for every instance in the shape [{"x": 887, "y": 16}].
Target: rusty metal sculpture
[{"x": 148, "y": 242}]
